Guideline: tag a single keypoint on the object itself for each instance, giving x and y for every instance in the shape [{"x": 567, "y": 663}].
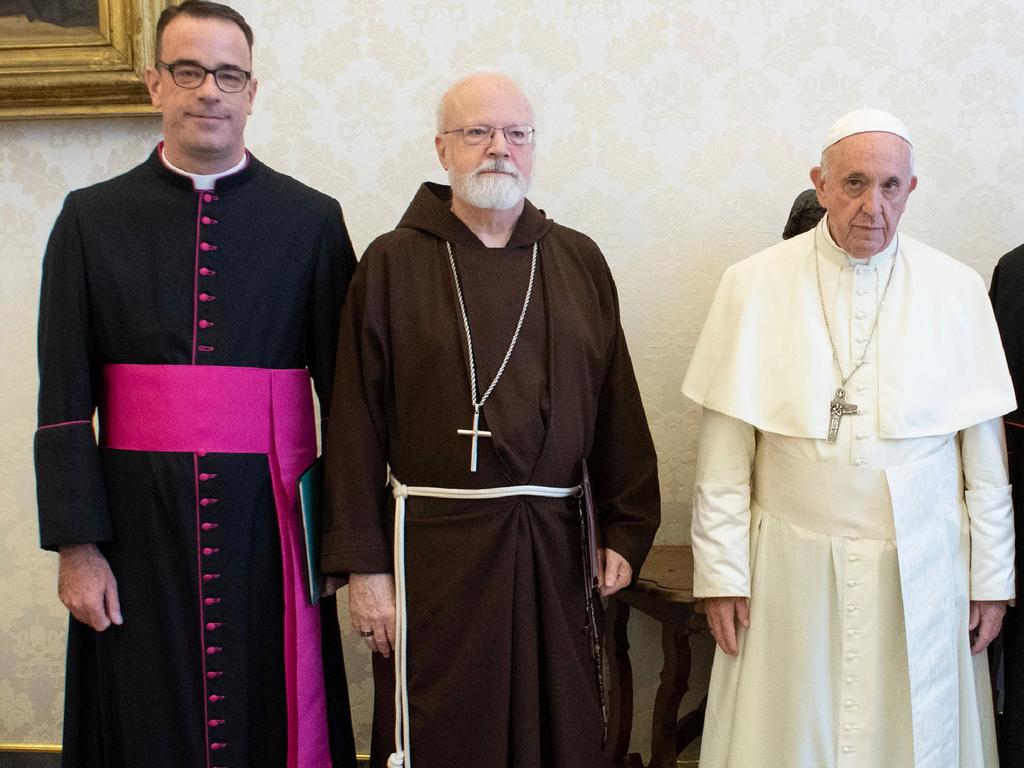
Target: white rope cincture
[{"x": 402, "y": 756}]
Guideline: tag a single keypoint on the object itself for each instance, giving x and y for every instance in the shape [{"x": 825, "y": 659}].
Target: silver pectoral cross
[
  {"x": 839, "y": 409},
  {"x": 474, "y": 432}
]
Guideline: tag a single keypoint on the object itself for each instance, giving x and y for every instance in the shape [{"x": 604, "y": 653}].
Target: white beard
[{"x": 491, "y": 191}]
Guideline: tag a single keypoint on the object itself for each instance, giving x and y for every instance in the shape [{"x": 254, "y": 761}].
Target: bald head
[
  {"x": 485, "y": 143},
  {"x": 468, "y": 93}
]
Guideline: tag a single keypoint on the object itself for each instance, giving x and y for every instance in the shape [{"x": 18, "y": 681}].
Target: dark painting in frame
[{"x": 63, "y": 58}]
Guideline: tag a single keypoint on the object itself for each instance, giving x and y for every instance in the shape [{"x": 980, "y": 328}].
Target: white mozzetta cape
[{"x": 764, "y": 357}]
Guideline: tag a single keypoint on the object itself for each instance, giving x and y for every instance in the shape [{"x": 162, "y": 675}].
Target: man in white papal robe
[{"x": 852, "y": 522}]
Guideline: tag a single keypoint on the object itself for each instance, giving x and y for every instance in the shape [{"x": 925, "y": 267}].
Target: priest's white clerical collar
[
  {"x": 828, "y": 248},
  {"x": 205, "y": 180}
]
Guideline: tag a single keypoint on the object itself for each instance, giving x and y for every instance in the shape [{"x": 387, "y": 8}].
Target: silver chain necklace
[
  {"x": 475, "y": 432},
  {"x": 839, "y": 407}
]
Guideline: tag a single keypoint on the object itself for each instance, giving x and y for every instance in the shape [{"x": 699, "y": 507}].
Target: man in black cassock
[
  {"x": 1007, "y": 292},
  {"x": 484, "y": 361},
  {"x": 189, "y": 301}
]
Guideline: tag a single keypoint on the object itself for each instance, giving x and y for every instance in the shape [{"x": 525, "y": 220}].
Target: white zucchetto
[{"x": 864, "y": 121}]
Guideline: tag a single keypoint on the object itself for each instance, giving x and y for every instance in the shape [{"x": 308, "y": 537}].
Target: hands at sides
[
  {"x": 723, "y": 613},
  {"x": 614, "y": 572},
  {"x": 986, "y": 618},
  {"x": 371, "y": 604},
  {"x": 87, "y": 586}
]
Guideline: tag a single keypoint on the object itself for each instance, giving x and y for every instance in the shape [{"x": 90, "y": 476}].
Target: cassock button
[
  {"x": 211, "y": 600},
  {"x": 847, "y": 727},
  {"x": 208, "y": 526},
  {"x": 849, "y": 679},
  {"x": 847, "y": 750},
  {"x": 207, "y": 219},
  {"x": 213, "y": 674},
  {"x": 201, "y": 452},
  {"x": 213, "y": 649},
  {"x": 860, "y": 315},
  {"x": 207, "y": 198},
  {"x": 851, "y": 656},
  {"x": 213, "y": 723},
  {"x": 215, "y": 697},
  {"x": 212, "y": 625},
  {"x": 851, "y": 582},
  {"x": 861, "y": 292},
  {"x": 854, "y": 558}
]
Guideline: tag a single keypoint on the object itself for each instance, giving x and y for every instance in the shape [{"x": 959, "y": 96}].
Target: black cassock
[
  {"x": 145, "y": 269},
  {"x": 1007, "y": 294}
]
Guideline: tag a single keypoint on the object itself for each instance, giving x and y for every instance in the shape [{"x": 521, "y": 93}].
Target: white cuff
[
  {"x": 721, "y": 540},
  {"x": 992, "y": 543}
]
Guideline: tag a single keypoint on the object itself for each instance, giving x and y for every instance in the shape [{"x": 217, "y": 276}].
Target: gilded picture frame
[{"x": 94, "y": 70}]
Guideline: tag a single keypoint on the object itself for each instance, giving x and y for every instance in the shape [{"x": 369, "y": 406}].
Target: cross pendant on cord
[
  {"x": 474, "y": 432},
  {"x": 839, "y": 409}
]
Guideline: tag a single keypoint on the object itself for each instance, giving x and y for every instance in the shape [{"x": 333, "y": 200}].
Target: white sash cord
[{"x": 402, "y": 756}]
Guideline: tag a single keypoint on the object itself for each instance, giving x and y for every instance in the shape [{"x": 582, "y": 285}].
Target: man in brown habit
[{"x": 483, "y": 360}]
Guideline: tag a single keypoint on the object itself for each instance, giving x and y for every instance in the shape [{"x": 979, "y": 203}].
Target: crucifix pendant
[
  {"x": 474, "y": 432},
  {"x": 839, "y": 409}
]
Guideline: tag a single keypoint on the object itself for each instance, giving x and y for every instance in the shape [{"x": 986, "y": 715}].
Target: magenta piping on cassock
[
  {"x": 64, "y": 424},
  {"x": 224, "y": 409}
]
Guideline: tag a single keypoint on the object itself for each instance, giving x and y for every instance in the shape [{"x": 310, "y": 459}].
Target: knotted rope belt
[{"x": 402, "y": 756}]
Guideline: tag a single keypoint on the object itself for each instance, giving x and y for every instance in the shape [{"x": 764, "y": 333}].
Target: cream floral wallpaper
[{"x": 675, "y": 132}]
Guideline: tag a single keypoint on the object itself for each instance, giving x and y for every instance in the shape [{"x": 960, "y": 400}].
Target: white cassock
[{"x": 859, "y": 557}]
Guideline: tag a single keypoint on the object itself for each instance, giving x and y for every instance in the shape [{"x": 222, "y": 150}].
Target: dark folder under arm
[{"x": 311, "y": 505}]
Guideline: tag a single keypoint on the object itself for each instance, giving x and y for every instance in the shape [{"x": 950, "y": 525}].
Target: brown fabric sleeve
[
  {"x": 623, "y": 461},
  {"x": 355, "y": 539}
]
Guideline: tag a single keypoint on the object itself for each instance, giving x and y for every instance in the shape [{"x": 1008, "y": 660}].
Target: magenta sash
[{"x": 223, "y": 409}]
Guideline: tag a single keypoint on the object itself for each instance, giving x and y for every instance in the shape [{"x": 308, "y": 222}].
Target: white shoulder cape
[{"x": 764, "y": 358}]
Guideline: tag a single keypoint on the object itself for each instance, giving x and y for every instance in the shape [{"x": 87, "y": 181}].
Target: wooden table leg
[
  {"x": 620, "y": 689},
  {"x": 675, "y": 682}
]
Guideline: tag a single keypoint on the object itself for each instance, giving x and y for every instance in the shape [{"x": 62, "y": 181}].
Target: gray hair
[{"x": 823, "y": 163}]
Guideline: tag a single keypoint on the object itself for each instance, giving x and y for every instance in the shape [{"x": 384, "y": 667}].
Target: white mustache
[{"x": 501, "y": 166}]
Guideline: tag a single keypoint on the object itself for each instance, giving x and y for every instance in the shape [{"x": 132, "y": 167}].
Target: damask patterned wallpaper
[{"x": 675, "y": 132}]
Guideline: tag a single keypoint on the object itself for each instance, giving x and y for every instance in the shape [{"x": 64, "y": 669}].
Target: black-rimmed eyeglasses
[
  {"x": 483, "y": 134},
  {"x": 188, "y": 74}
]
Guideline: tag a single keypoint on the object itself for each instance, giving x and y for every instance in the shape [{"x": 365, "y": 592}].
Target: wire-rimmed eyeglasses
[
  {"x": 188, "y": 74},
  {"x": 483, "y": 134}
]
